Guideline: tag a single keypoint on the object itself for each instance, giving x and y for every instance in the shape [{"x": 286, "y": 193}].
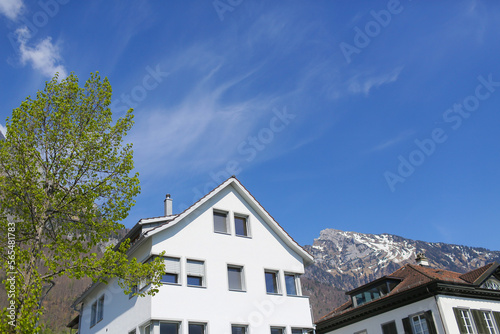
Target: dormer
[{"x": 373, "y": 290}]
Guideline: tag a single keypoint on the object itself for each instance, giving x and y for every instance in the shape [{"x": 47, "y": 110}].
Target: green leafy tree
[{"x": 65, "y": 184}]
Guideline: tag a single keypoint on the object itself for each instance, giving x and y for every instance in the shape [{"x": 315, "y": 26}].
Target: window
[
  {"x": 195, "y": 271},
  {"x": 419, "y": 324},
  {"x": 271, "y": 281},
  {"x": 220, "y": 222},
  {"x": 147, "y": 329},
  {"x": 96, "y": 313},
  {"x": 277, "y": 330},
  {"x": 132, "y": 332},
  {"x": 100, "y": 308},
  {"x": 238, "y": 329},
  {"x": 196, "y": 328},
  {"x": 483, "y": 321},
  {"x": 93, "y": 314},
  {"x": 240, "y": 226},
  {"x": 422, "y": 323},
  {"x": 169, "y": 328},
  {"x": 291, "y": 283},
  {"x": 464, "y": 320},
  {"x": 172, "y": 270},
  {"x": 235, "y": 278},
  {"x": 299, "y": 331},
  {"x": 389, "y": 328}
]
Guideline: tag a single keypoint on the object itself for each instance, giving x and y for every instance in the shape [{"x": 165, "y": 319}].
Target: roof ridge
[{"x": 421, "y": 272}]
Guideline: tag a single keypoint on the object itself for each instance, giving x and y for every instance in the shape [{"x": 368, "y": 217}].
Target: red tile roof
[{"x": 413, "y": 276}]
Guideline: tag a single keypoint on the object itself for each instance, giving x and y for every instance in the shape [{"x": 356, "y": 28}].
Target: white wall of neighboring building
[
  {"x": 194, "y": 238},
  {"x": 374, "y": 324},
  {"x": 447, "y": 303}
]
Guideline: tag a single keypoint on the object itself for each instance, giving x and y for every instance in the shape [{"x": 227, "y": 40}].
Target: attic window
[
  {"x": 221, "y": 222},
  {"x": 373, "y": 292}
]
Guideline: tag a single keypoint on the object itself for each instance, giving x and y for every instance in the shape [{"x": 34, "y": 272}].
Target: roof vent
[
  {"x": 422, "y": 260},
  {"x": 168, "y": 205}
]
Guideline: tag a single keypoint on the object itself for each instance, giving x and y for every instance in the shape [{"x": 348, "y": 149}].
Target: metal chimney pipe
[{"x": 168, "y": 205}]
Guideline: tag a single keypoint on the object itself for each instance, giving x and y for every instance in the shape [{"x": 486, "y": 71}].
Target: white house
[
  {"x": 230, "y": 268},
  {"x": 417, "y": 299}
]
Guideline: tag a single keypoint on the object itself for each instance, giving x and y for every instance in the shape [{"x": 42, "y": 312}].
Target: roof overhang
[{"x": 391, "y": 302}]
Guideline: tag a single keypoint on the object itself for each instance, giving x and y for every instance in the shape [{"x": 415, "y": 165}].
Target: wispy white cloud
[
  {"x": 44, "y": 57},
  {"x": 11, "y": 8},
  {"x": 200, "y": 133},
  {"x": 393, "y": 141},
  {"x": 364, "y": 82}
]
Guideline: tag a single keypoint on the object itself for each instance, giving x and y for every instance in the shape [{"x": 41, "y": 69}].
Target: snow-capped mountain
[{"x": 350, "y": 259}]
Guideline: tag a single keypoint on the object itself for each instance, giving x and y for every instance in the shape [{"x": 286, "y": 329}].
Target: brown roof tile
[
  {"x": 472, "y": 276},
  {"x": 413, "y": 276}
]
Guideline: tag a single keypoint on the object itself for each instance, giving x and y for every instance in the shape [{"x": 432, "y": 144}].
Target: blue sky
[{"x": 366, "y": 116}]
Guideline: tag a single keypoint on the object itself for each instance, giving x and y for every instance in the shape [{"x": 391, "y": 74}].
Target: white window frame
[
  {"x": 198, "y": 323},
  {"x": 241, "y": 326},
  {"x": 421, "y": 319},
  {"x": 97, "y": 311},
  {"x": 228, "y": 225},
  {"x": 283, "y": 329},
  {"x": 194, "y": 272},
  {"x": 277, "y": 281},
  {"x": 296, "y": 279},
  {"x": 242, "y": 277},
  {"x": 178, "y": 323},
  {"x": 247, "y": 224},
  {"x": 488, "y": 318},
  {"x": 466, "y": 315},
  {"x": 173, "y": 269}
]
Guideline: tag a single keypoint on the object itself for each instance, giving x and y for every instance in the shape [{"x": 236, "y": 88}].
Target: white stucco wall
[
  {"x": 215, "y": 305},
  {"x": 447, "y": 303},
  {"x": 194, "y": 238},
  {"x": 120, "y": 313},
  {"x": 373, "y": 324}
]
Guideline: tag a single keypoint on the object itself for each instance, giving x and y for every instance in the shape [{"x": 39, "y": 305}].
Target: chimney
[
  {"x": 168, "y": 205},
  {"x": 422, "y": 260}
]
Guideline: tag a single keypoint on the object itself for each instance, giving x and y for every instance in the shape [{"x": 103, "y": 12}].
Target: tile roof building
[{"x": 417, "y": 299}]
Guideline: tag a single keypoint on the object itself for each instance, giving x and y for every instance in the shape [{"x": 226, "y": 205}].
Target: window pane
[
  {"x": 170, "y": 278},
  {"x": 296, "y": 331},
  {"x": 240, "y": 226},
  {"x": 238, "y": 330},
  {"x": 194, "y": 280},
  {"x": 276, "y": 330},
  {"x": 169, "y": 328},
  {"x": 420, "y": 324},
  {"x": 196, "y": 329},
  {"x": 147, "y": 330},
  {"x": 234, "y": 278},
  {"x": 93, "y": 314},
  {"x": 220, "y": 222},
  {"x": 271, "y": 282},
  {"x": 100, "y": 306},
  {"x": 291, "y": 287}
]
